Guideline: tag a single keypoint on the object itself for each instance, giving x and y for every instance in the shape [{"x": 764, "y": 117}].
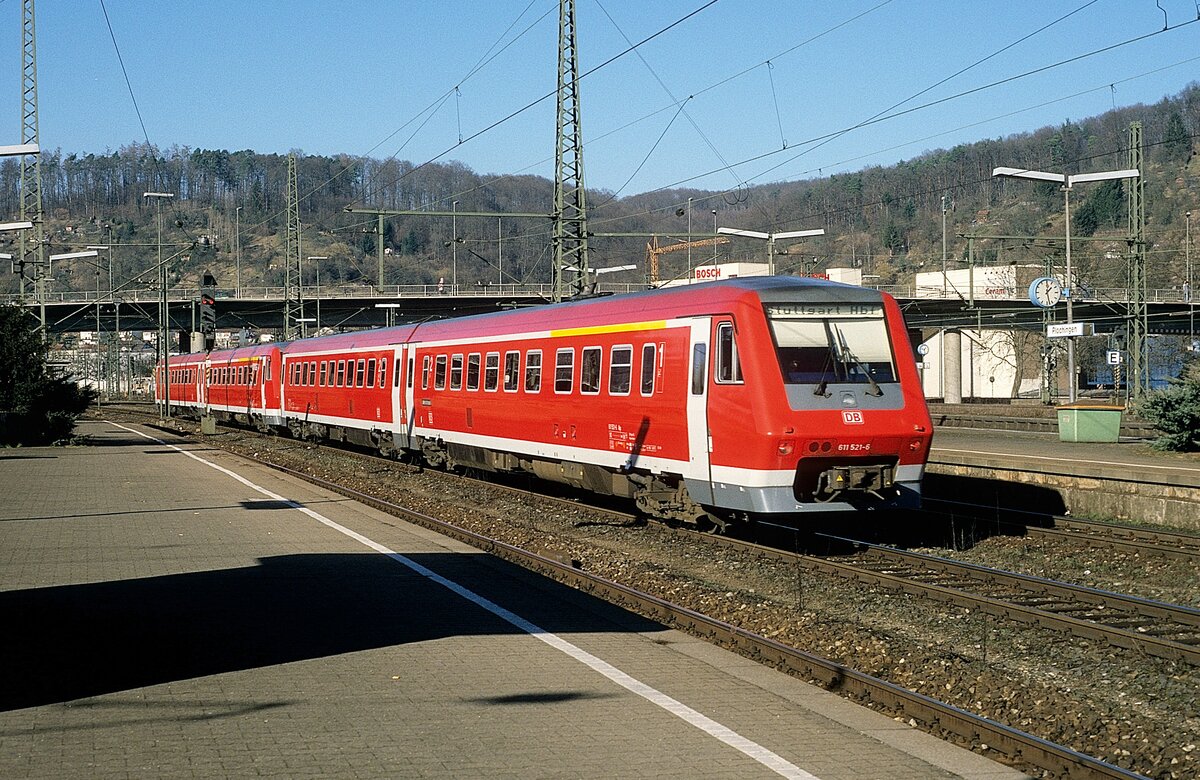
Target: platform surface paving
[{"x": 166, "y": 618}]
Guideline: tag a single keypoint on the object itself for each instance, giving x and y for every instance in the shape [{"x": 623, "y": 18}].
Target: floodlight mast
[
  {"x": 770, "y": 239},
  {"x": 1067, "y": 181}
]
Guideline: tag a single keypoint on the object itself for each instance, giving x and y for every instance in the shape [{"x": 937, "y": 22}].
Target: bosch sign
[{"x": 707, "y": 273}]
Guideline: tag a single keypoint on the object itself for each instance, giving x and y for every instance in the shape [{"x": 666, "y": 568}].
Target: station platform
[
  {"x": 1126, "y": 458},
  {"x": 1125, "y": 480},
  {"x": 175, "y": 610}
]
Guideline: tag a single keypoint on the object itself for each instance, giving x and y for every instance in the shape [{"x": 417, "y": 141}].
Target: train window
[
  {"x": 439, "y": 373},
  {"x": 589, "y": 370},
  {"x": 473, "y": 371},
  {"x": 383, "y": 372},
  {"x": 456, "y": 372},
  {"x": 512, "y": 371},
  {"x": 310, "y": 375},
  {"x": 362, "y": 370},
  {"x": 648, "y": 351},
  {"x": 396, "y": 368},
  {"x": 371, "y": 372},
  {"x": 830, "y": 345},
  {"x": 491, "y": 371},
  {"x": 699, "y": 364},
  {"x": 728, "y": 368},
  {"x": 341, "y": 373},
  {"x": 411, "y": 365},
  {"x": 426, "y": 364},
  {"x": 564, "y": 370},
  {"x": 620, "y": 370},
  {"x": 324, "y": 373},
  {"x": 533, "y": 371}
]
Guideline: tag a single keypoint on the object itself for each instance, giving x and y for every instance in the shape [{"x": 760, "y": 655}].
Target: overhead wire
[{"x": 548, "y": 95}]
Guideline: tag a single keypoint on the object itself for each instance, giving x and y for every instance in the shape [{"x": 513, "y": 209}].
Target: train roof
[
  {"x": 224, "y": 355},
  {"x": 714, "y": 297}
]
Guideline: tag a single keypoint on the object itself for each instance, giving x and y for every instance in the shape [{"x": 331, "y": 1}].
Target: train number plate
[{"x": 852, "y": 417}]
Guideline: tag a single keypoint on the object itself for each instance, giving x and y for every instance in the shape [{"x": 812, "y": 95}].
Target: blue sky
[{"x": 378, "y": 79}]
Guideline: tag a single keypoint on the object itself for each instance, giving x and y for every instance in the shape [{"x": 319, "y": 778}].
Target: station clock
[{"x": 1045, "y": 291}]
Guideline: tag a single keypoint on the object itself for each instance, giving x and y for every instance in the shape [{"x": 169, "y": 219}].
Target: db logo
[{"x": 852, "y": 417}]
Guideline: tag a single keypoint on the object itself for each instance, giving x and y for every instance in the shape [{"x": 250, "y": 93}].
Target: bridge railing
[
  {"x": 312, "y": 292},
  {"x": 546, "y": 291}
]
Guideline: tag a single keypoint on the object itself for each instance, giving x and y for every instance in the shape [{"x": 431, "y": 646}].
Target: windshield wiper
[{"x": 847, "y": 356}]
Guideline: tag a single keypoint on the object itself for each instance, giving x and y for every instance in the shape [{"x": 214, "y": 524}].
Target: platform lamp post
[
  {"x": 389, "y": 311},
  {"x": 107, "y": 249},
  {"x": 81, "y": 256},
  {"x": 317, "y": 267},
  {"x": 771, "y": 238},
  {"x": 164, "y": 325},
  {"x": 1067, "y": 182}
]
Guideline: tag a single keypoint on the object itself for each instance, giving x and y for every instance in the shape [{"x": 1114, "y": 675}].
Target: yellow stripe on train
[{"x": 597, "y": 329}]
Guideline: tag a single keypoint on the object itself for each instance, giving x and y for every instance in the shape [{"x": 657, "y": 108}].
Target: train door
[
  {"x": 401, "y": 396},
  {"x": 699, "y": 471},
  {"x": 202, "y": 386}
]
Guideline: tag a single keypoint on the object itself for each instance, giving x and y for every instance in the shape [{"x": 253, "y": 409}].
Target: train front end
[{"x": 840, "y": 421}]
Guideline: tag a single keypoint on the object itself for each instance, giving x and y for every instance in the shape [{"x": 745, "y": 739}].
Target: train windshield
[{"x": 832, "y": 343}]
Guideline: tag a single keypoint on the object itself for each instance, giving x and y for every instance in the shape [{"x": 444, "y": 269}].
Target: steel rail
[
  {"x": 1164, "y": 544},
  {"x": 1119, "y": 619}
]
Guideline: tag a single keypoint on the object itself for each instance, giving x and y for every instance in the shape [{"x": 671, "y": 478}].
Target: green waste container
[{"x": 1089, "y": 423}]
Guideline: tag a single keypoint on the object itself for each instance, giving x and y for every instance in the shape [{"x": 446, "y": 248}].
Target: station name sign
[
  {"x": 821, "y": 310},
  {"x": 1062, "y": 330}
]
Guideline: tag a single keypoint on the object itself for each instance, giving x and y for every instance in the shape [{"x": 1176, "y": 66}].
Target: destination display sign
[{"x": 823, "y": 310}]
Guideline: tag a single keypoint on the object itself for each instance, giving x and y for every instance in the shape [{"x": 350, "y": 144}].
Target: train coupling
[{"x": 855, "y": 479}]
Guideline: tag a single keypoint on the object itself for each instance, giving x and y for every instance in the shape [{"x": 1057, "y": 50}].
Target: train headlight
[
  {"x": 786, "y": 446},
  {"x": 915, "y": 445}
]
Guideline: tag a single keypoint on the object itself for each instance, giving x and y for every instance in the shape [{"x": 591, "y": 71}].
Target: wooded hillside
[{"x": 887, "y": 220}]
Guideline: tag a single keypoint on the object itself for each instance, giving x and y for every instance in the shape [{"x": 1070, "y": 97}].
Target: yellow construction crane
[{"x": 653, "y": 250}]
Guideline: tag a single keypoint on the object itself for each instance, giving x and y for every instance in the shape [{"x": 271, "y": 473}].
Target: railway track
[
  {"x": 1164, "y": 630},
  {"x": 1092, "y": 533}
]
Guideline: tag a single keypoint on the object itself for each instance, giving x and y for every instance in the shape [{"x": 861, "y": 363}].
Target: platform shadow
[{"x": 74, "y": 641}]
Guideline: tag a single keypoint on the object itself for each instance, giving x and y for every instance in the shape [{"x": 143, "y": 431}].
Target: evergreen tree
[
  {"x": 1177, "y": 146},
  {"x": 35, "y": 407},
  {"x": 1176, "y": 411}
]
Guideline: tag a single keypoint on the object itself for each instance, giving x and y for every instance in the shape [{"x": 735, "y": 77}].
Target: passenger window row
[
  {"x": 244, "y": 374},
  {"x": 363, "y": 372},
  {"x": 436, "y": 369}
]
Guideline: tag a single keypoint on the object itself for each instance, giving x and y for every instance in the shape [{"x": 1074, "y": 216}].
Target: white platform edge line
[{"x": 762, "y": 755}]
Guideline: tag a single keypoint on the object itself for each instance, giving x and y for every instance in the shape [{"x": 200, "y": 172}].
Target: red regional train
[{"x": 704, "y": 404}]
